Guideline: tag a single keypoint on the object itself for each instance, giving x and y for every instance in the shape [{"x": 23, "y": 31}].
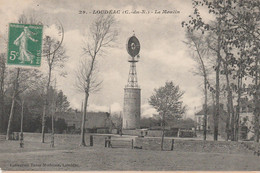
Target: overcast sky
[{"x": 163, "y": 55}]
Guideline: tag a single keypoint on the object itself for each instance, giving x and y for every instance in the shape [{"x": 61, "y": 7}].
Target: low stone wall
[
  {"x": 152, "y": 143},
  {"x": 150, "y": 133},
  {"x": 66, "y": 139},
  {"x": 134, "y": 132},
  {"x": 154, "y": 133},
  {"x": 193, "y": 145}
]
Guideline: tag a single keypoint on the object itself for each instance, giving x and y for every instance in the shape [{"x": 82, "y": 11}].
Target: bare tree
[
  {"x": 199, "y": 47},
  {"x": 23, "y": 19},
  {"x": 15, "y": 88},
  {"x": 2, "y": 95},
  {"x": 102, "y": 34},
  {"x": 54, "y": 60},
  {"x": 22, "y": 79}
]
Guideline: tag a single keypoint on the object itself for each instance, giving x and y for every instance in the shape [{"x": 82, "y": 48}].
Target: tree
[
  {"x": 198, "y": 44},
  {"x": 150, "y": 122},
  {"x": 222, "y": 37},
  {"x": 167, "y": 101},
  {"x": 102, "y": 34},
  {"x": 55, "y": 57},
  {"x": 22, "y": 80},
  {"x": 2, "y": 91},
  {"x": 237, "y": 33},
  {"x": 62, "y": 103},
  {"x": 197, "y": 23},
  {"x": 246, "y": 16},
  {"x": 60, "y": 124},
  {"x": 117, "y": 121}
]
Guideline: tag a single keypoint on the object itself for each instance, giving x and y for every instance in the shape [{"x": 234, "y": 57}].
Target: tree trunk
[
  {"x": 52, "y": 129},
  {"x": 228, "y": 120},
  {"x": 2, "y": 103},
  {"x": 2, "y": 112},
  {"x": 256, "y": 103},
  {"x": 83, "y": 143},
  {"x": 2, "y": 115},
  {"x": 232, "y": 123},
  {"x": 218, "y": 61},
  {"x": 256, "y": 124},
  {"x": 43, "y": 122},
  {"x": 45, "y": 105},
  {"x": 205, "y": 109},
  {"x": 216, "y": 119},
  {"x": 10, "y": 118},
  {"x": 230, "y": 109},
  {"x": 205, "y": 106},
  {"x": 13, "y": 103},
  {"x": 22, "y": 116},
  {"x": 239, "y": 85},
  {"x": 21, "y": 134},
  {"x": 163, "y": 123}
]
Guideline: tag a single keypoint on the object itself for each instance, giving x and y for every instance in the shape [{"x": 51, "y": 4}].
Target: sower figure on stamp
[{"x": 21, "y": 41}]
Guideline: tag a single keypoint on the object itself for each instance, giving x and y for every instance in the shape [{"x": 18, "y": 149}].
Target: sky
[{"x": 163, "y": 55}]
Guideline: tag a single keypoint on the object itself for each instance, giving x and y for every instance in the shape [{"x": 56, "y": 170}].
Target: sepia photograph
[{"x": 129, "y": 85}]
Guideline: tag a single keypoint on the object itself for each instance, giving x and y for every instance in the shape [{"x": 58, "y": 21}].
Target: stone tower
[{"x": 132, "y": 92}]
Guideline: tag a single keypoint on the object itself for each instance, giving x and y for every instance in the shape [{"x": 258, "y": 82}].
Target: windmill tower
[{"x": 132, "y": 92}]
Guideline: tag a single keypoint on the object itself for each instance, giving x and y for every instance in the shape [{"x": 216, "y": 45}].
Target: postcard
[{"x": 129, "y": 85}]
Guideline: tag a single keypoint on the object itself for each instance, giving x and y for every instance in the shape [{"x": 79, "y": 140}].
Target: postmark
[
  {"x": 24, "y": 45},
  {"x": 52, "y": 30}
]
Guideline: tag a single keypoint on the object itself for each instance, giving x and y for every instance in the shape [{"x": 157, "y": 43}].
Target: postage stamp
[{"x": 24, "y": 44}]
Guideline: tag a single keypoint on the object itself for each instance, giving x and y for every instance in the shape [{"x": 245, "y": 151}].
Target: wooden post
[
  {"x": 109, "y": 142},
  {"x": 53, "y": 110},
  {"x": 256, "y": 149},
  {"x": 172, "y": 144},
  {"x": 91, "y": 140},
  {"x": 52, "y": 130},
  {"x": 21, "y": 134}
]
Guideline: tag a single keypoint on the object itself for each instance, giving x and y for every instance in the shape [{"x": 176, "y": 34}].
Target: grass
[{"x": 67, "y": 155}]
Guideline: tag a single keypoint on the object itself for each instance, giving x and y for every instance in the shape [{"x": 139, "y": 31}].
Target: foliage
[
  {"x": 33, "y": 106},
  {"x": 234, "y": 39},
  {"x": 167, "y": 101},
  {"x": 117, "y": 121},
  {"x": 59, "y": 124},
  {"x": 149, "y": 122},
  {"x": 62, "y": 103}
]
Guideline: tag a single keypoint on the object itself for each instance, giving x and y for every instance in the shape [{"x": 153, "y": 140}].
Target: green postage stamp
[{"x": 24, "y": 45}]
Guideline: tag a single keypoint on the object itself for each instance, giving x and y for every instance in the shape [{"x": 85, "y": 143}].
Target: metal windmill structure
[
  {"x": 133, "y": 49},
  {"x": 132, "y": 92}
]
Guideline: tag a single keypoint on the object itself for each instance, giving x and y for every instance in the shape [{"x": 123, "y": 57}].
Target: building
[
  {"x": 132, "y": 108},
  {"x": 199, "y": 118},
  {"x": 96, "y": 122},
  {"x": 246, "y": 118}
]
